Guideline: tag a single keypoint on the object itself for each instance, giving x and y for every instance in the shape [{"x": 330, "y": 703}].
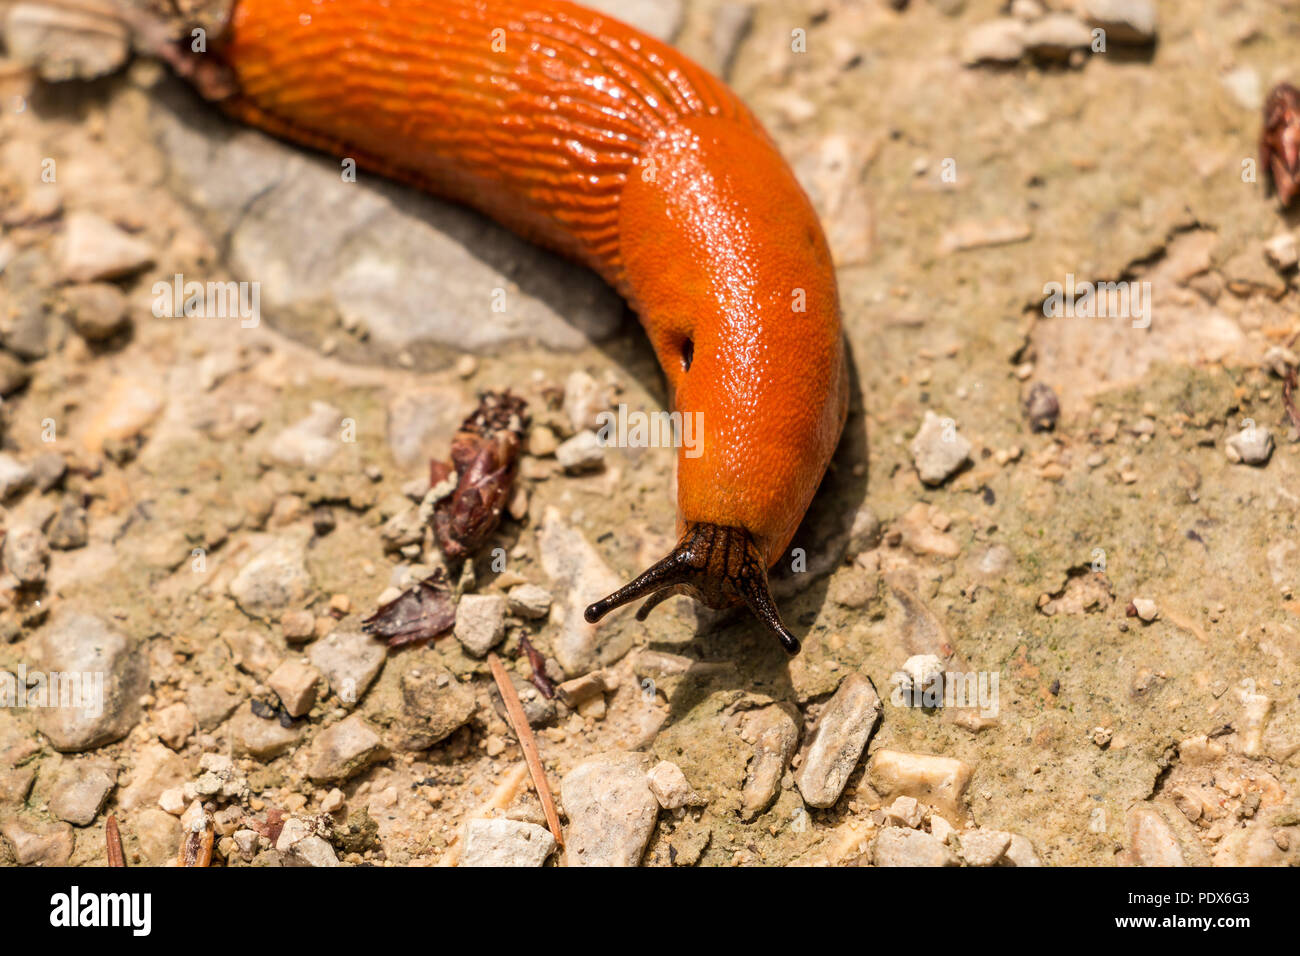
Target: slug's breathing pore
[{"x": 719, "y": 567}]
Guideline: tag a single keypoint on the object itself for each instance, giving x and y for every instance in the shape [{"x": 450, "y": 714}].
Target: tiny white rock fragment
[
  {"x": 480, "y": 622},
  {"x": 669, "y": 785},
  {"x": 938, "y": 450},
  {"x": 1281, "y": 251},
  {"x": 1146, "y": 609},
  {"x": 1252, "y": 445}
]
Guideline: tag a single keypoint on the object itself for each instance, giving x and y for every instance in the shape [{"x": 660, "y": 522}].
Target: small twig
[
  {"x": 114, "y": 840},
  {"x": 524, "y": 733}
]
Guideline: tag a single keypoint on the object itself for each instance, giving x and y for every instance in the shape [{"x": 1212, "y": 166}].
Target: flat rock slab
[
  {"x": 416, "y": 270},
  {"x": 611, "y": 810},
  {"x": 506, "y": 843}
]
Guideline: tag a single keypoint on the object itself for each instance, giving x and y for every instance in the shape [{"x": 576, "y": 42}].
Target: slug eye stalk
[{"x": 719, "y": 566}]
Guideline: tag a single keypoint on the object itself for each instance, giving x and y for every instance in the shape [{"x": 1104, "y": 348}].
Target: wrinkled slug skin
[{"x": 591, "y": 138}]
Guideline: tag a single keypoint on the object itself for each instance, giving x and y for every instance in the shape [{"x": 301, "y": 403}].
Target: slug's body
[{"x": 590, "y": 138}]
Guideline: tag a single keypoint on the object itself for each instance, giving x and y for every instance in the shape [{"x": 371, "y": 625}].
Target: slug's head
[{"x": 718, "y": 566}]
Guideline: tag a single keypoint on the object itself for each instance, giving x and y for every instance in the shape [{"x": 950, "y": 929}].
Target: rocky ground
[{"x": 1094, "y": 516}]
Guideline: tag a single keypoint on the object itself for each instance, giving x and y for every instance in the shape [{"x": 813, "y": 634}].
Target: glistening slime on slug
[{"x": 586, "y": 136}]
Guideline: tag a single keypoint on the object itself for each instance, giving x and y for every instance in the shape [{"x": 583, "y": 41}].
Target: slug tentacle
[{"x": 717, "y": 565}]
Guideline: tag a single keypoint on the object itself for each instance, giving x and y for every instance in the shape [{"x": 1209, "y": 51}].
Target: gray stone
[
  {"x": 582, "y": 452},
  {"x": 837, "y": 743},
  {"x": 155, "y": 770},
  {"x": 775, "y": 737},
  {"x": 434, "y": 705},
  {"x": 421, "y": 423},
  {"x": 174, "y": 724},
  {"x": 109, "y": 676},
  {"x": 983, "y": 847},
  {"x": 14, "y": 476},
  {"x": 570, "y": 560},
  {"x": 731, "y": 23},
  {"x": 938, "y": 450},
  {"x": 904, "y": 812},
  {"x": 506, "y": 843},
  {"x": 80, "y": 790},
  {"x": 311, "y": 441},
  {"x": 97, "y": 310},
  {"x": 895, "y": 846},
  {"x": 35, "y": 844},
  {"x": 350, "y": 662},
  {"x": 994, "y": 41},
  {"x": 93, "y": 248},
  {"x": 1056, "y": 36},
  {"x": 1125, "y": 21},
  {"x": 1020, "y": 853},
  {"x": 295, "y": 684},
  {"x": 1252, "y": 445},
  {"x": 26, "y": 327},
  {"x": 61, "y": 46},
  {"x": 13, "y": 375},
  {"x": 611, "y": 810},
  {"x": 260, "y": 738},
  {"x": 273, "y": 579},
  {"x": 210, "y": 705},
  {"x": 71, "y": 526},
  {"x": 158, "y": 835},
  {"x": 670, "y": 787},
  {"x": 1151, "y": 842},
  {"x": 328, "y": 246},
  {"x": 26, "y": 555},
  {"x": 302, "y": 846},
  {"x": 344, "y": 750},
  {"x": 538, "y": 709},
  {"x": 480, "y": 622},
  {"x": 529, "y": 601},
  {"x": 219, "y": 779}
]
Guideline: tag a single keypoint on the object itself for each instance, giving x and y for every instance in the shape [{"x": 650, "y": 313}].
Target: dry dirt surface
[{"x": 1095, "y": 581}]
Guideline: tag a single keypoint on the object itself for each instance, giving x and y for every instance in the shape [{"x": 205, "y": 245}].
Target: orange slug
[{"x": 595, "y": 140}]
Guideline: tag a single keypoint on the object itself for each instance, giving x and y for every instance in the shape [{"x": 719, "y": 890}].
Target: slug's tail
[{"x": 717, "y": 565}]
